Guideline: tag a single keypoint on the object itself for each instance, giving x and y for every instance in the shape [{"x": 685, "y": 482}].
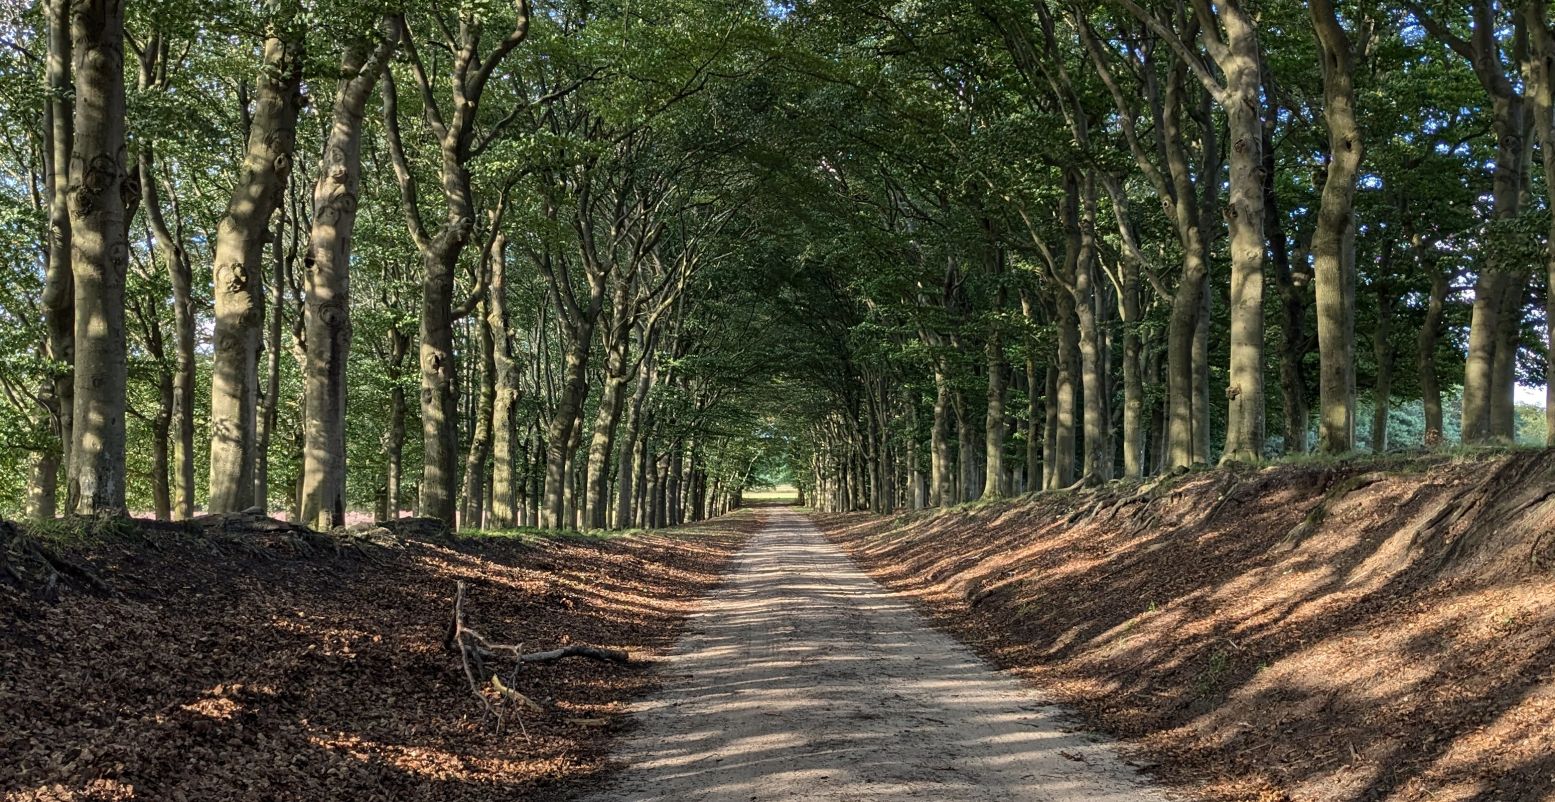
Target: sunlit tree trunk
[
  {"x": 239, "y": 258},
  {"x": 99, "y": 257},
  {"x": 327, "y": 284},
  {"x": 941, "y": 473}
]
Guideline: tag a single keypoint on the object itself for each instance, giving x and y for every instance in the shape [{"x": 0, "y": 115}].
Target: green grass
[{"x": 786, "y": 493}]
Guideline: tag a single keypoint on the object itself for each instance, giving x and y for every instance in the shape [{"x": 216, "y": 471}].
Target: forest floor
[
  {"x": 260, "y": 665},
  {"x": 803, "y": 679},
  {"x": 1348, "y": 631}
]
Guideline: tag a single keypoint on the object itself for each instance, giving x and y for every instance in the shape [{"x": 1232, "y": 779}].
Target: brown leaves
[{"x": 214, "y": 674}]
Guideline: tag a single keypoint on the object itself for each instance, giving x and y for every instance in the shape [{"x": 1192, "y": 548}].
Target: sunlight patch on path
[{"x": 803, "y": 679}]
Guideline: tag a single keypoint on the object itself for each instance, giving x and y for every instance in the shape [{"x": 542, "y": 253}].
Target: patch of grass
[
  {"x": 1209, "y": 679},
  {"x": 787, "y": 493}
]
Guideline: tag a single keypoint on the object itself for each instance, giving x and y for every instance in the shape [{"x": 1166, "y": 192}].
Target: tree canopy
[{"x": 617, "y": 262}]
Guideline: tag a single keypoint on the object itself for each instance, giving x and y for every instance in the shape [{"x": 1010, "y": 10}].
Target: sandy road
[{"x": 804, "y": 679}]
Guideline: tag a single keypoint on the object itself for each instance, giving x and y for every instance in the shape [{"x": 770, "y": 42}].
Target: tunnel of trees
[{"x": 604, "y": 265}]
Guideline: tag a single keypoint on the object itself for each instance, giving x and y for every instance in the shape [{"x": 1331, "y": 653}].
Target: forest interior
[{"x": 817, "y": 399}]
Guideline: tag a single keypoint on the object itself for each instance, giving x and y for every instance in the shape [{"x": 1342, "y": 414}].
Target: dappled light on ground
[
  {"x": 803, "y": 679},
  {"x": 1287, "y": 633}
]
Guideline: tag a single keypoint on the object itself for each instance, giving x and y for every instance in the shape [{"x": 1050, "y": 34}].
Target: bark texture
[
  {"x": 327, "y": 285},
  {"x": 98, "y": 189},
  {"x": 239, "y": 253}
]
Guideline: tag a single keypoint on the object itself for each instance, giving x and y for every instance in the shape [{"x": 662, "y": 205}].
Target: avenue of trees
[{"x": 613, "y": 261}]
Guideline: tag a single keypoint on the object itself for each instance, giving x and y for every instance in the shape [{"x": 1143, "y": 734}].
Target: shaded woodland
[{"x": 598, "y": 265}]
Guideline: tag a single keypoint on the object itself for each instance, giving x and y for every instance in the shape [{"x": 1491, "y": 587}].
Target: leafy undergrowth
[
  {"x": 251, "y": 662},
  {"x": 1350, "y": 631}
]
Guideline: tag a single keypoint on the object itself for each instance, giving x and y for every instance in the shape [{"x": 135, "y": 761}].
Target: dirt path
[{"x": 804, "y": 679}]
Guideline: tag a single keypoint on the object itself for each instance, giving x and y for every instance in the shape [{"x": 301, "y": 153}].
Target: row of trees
[
  {"x": 615, "y": 261},
  {"x": 1091, "y": 240},
  {"x": 257, "y": 243}
]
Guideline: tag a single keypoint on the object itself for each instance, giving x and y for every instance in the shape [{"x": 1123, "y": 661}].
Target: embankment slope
[{"x": 1365, "y": 630}]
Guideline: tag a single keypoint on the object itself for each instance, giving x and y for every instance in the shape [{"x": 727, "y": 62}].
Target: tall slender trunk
[
  {"x": 1430, "y": 334},
  {"x": 98, "y": 186},
  {"x": 1050, "y": 429},
  {"x": 1333, "y": 241},
  {"x": 240, "y": 239},
  {"x": 1382, "y": 350},
  {"x": 966, "y": 448},
  {"x": 560, "y": 436},
  {"x": 473, "y": 512},
  {"x": 181, "y": 277},
  {"x": 270, "y": 398},
  {"x": 1243, "y": 103},
  {"x": 631, "y": 446},
  {"x": 505, "y": 461},
  {"x": 1539, "y": 78},
  {"x": 607, "y": 415},
  {"x": 327, "y": 285},
  {"x": 1487, "y": 373},
  {"x": 1097, "y": 459},
  {"x": 394, "y": 438},
  {"x": 161, "y": 429},
  {"x": 993, "y": 426},
  {"x": 59, "y": 320},
  {"x": 1293, "y": 384},
  {"x": 1062, "y": 459},
  {"x": 1185, "y": 416},
  {"x": 942, "y": 488}
]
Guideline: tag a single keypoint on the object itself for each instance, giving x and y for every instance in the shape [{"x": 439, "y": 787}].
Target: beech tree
[{"x": 617, "y": 269}]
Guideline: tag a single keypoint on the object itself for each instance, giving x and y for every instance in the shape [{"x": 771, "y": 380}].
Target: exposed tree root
[
  {"x": 1315, "y": 517},
  {"x": 33, "y": 566}
]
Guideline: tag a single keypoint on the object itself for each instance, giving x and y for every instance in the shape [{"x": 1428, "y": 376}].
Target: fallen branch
[
  {"x": 477, "y": 653},
  {"x": 578, "y": 650}
]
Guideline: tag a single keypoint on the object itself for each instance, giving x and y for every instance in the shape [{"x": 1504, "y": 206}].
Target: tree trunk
[
  {"x": 1539, "y": 78},
  {"x": 1097, "y": 459},
  {"x": 270, "y": 398},
  {"x": 1426, "y": 341},
  {"x": 1487, "y": 374},
  {"x": 240, "y": 240},
  {"x": 327, "y": 286},
  {"x": 1062, "y": 456},
  {"x": 942, "y": 487},
  {"x": 505, "y": 463},
  {"x": 98, "y": 187},
  {"x": 472, "y": 514},
  {"x": 181, "y": 276},
  {"x": 966, "y": 449},
  {"x": 993, "y": 425},
  {"x": 631, "y": 447},
  {"x": 607, "y": 416},
  {"x": 59, "y": 320},
  {"x": 1243, "y": 104},
  {"x": 559, "y": 436},
  {"x": 1293, "y": 384},
  {"x": 1333, "y": 241},
  {"x": 439, "y": 387},
  {"x": 394, "y": 438},
  {"x": 1382, "y": 349},
  {"x": 161, "y": 428}
]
